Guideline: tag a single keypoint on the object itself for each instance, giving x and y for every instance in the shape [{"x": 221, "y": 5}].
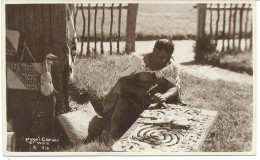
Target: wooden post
[
  {"x": 119, "y": 28},
  {"x": 130, "y": 27},
  {"x": 95, "y": 29},
  {"x": 59, "y": 28},
  {"x": 111, "y": 27},
  {"x": 88, "y": 50},
  {"x": 102, "y": 29},
  {"x": 43, "y": 28},
  {"x": 216, "y": 32},
  {"x": 240, "y": 26},
  {"x": 234, "y": 27},
  {"x": 224, "y": 28},
  {"x": 246, "y": 33},
  {"x": 229, "y": 26},
  {"x": 83, "y": 32},
  {"x": 202, "y": 10},
  {"x": 210, "y": 25}
]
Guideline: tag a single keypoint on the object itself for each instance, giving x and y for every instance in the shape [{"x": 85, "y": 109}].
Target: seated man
[{"x": 128, "y": 98}]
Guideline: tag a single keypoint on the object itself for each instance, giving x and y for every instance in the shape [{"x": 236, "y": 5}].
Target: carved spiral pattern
[{"x": 157, "y": 135}]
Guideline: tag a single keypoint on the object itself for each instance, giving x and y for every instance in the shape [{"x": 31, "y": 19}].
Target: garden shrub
[{"x": 205, "y": 50}]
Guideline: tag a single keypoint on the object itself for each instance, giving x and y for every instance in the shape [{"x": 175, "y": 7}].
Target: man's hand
[{"x": 159, "y": 98}]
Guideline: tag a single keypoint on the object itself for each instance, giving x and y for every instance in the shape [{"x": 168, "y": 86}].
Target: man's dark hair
[{"x": 164, "y": 44}]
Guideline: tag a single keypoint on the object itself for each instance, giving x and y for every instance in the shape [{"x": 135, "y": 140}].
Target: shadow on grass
[
  {"x": 190, "y": 63},
  {"x": 224, "y": 64},
  {"x": 83, "y": 95}
]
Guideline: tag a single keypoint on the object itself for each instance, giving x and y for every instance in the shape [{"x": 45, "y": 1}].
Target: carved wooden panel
[{"x": 175, "y": 129}]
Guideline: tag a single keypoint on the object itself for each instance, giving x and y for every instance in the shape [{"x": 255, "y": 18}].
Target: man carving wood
[{"x": 128, "y": 98}]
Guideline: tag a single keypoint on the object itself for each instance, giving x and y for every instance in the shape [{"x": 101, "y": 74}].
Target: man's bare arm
[{"x": 171, "y": 88}]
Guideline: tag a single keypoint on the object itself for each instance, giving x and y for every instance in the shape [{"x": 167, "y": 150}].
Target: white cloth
[
  {"x": 136, "y": 64},
  {"x": 46, "y": 80}
]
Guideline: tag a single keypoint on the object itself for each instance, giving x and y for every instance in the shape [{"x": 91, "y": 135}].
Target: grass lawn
[
  {"x": 240, "y": 62},
  {"x": 232, "y": 131}
]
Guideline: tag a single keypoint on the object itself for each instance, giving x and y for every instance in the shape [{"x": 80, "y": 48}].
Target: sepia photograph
[{"x": 128, "y": 78}]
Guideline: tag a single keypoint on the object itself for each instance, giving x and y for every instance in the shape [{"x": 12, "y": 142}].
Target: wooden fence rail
[
  {"x": 84, "y": 24},
  {"x": 217, "y": 22},
  {"x": 229, "y": 27},
  {"x": 224, "y": 28},
  {"x": 119, "y": 27},
  {"x": 235, "y": 27},
  {"x": 130, "y": 26},
  {"x": 111, "y": 27},
  {"x": 95, "y": 29},
  {"x": 240, "y": 26},
  {"x": 247, "y": 17},
  {"x": 102, "y": 29},
  {"x": 88, "y": 50}
]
